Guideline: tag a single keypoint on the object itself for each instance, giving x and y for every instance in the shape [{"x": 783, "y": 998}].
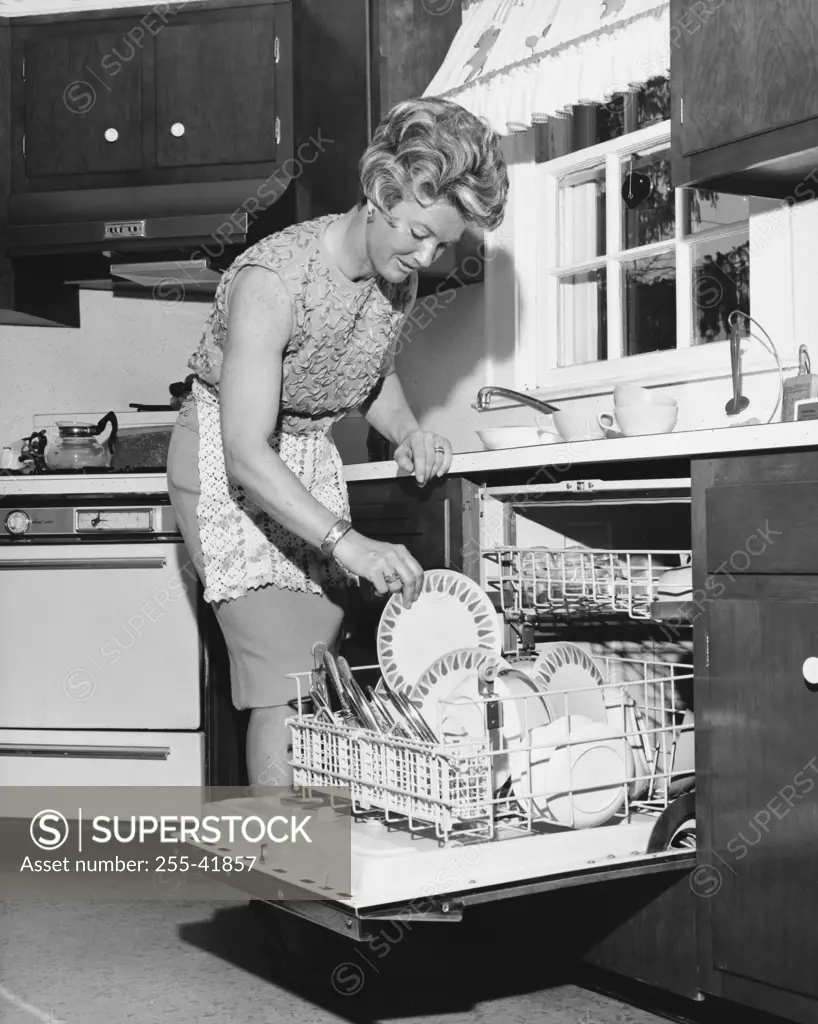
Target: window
[
  {"x": 604, "y": 293},
  {"x": 622, "y": 281}
]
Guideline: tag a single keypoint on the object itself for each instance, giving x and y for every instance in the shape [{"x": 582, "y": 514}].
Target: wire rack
[
  {"x": 521, "y": 778},
  {"x": 542, "y": 582}
]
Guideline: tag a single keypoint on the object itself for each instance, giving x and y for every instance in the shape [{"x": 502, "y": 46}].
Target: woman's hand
[
  {"x": 389, "y": 567},
  {"x": 424, "y": 454}
]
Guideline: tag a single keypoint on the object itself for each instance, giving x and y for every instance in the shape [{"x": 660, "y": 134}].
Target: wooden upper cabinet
[
  {"x": 411, "y": 39},
  {"x": 215, "y": 90},
  {"x": 204, "y": 95},
  {"x": 744, "y": 90},
  {"x": 753, "y": 69},
  {"x": 78, "y": 108}
]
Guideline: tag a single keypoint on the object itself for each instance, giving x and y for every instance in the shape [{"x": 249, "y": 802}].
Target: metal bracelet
[{"x": 336, "y": 532}]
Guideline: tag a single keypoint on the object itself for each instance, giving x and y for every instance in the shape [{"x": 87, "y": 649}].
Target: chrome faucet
[{"x": 484, "y": 396}]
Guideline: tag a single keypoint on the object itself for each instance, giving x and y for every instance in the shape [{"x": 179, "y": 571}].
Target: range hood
[{"x": 168, "y": 241}]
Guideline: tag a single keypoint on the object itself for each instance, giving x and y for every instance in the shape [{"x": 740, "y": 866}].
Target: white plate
[
  {"x": 448, "y": 696},
  {"x": 598, "y": 756},
  {"x": 572, "y": 681},
  {"x": 451, "y": 613},
  {"x": 543, "y": 741}
]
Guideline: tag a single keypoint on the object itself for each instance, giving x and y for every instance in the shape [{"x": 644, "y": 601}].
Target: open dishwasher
[{"x": 586, "y": 776}]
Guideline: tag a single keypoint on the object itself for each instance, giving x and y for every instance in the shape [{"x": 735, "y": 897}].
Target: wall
[{"x": 127, "y": 350}]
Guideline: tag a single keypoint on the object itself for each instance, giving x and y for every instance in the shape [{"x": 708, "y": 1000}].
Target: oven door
[{"x": 99, "y": 636}]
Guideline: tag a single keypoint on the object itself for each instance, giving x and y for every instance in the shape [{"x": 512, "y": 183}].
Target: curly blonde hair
[{"x": 434, "y": 150}]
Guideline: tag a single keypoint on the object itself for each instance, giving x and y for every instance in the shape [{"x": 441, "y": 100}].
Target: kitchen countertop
[{"x": 723, "y": 440}]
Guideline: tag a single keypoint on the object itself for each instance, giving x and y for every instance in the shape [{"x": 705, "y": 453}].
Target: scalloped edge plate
[
  {"x": 551, "y": 663},
  {"x": 406, "y": 644},
  {"x": 522, "y": 710}
]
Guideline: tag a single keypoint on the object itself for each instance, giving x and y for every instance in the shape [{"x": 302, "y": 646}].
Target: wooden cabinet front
[
  {"x": 77, "y": 103},
  {"x": 215, "y": 89},
  {"x": 743, "y": 95},
  {"x": 756, "y": 726},
  {"x": 146, "y": 98},
  {"x": 759, "y": 837},
  {"x": 752, "y": 67}
]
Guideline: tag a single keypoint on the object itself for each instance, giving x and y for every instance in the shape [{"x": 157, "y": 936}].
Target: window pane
[
  {"x": 706, "y": 210},
  {"x": 721, "y": 283},
  {"x": 650, "y": 304},
  {"x": 583, "y": 318},
  {"x": 582, "y": 216},
  {"x": 655, "y": 219}
]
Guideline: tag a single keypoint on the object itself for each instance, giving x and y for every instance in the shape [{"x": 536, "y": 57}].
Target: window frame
[{"x": 536, "y": 287}]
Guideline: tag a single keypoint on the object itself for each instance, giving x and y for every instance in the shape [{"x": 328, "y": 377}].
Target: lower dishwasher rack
[{"x": 419, "y": 849}]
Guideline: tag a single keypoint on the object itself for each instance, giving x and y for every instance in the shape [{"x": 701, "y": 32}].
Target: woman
[{"x": 302, "y": 331}]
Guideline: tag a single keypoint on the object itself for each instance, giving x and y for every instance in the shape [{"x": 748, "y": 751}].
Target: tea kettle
[{"x": 77, "y": 446}]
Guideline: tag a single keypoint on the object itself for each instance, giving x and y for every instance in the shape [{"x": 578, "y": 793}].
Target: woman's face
[{"x": 411, "y": 237}]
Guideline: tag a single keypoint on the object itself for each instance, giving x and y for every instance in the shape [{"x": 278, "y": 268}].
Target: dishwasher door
[{"x": 573, "y": 565}]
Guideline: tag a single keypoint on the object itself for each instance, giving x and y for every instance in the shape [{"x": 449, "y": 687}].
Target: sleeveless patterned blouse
[{"x": 342, "y": 345}]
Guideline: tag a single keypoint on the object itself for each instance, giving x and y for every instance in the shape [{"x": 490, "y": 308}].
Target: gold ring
[{"x": 439, "y": 449}]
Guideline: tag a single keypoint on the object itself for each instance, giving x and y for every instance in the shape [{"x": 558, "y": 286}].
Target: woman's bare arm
[
  {"x": 389, "y": 413},
  {"x": 259, "y": 327}
]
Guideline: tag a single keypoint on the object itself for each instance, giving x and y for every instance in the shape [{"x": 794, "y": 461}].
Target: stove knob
[{"x": 17, "y": 522}]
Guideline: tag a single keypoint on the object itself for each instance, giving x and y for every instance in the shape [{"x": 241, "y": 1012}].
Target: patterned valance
[{"x": 519, "y": 62}]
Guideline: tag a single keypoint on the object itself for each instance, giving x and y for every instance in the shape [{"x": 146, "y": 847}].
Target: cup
[
  {"x": 629, "y": 394},
  {"x": 574, "y": 425},
  {"x": 646, "y": 418}
]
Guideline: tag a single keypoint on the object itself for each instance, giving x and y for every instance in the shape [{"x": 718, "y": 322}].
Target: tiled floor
[{"x": 150, "y": 963}]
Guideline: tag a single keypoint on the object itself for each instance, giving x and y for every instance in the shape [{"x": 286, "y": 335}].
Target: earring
[{"x": 370, "y": 214}]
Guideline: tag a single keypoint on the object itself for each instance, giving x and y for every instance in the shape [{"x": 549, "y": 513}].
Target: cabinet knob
[
  {"x": 177, "y": 130},
  {"x": 111, "y": 134},
  {"x": 810, "y": 670}
]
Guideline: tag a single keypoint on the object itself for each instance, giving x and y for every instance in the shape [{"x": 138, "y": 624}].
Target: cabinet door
[
  {"x": 411, "y": 40},
  {"x": 215, "y": 89},
  {"x": 748, "y": 66},
  {"x": 77, "y": 101},
  {"x": 757, "y": 724}
]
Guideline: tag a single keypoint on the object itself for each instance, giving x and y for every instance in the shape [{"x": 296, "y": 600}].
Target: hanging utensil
[{"x": 738, "y": 403}]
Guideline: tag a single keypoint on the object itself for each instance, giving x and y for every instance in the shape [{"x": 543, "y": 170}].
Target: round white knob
[
  {"x": 177, "y": 130},
  {"x": 111, "y": 134},
  {"x": 810, "y": 670},
  {"x": 17, "y": 522}
]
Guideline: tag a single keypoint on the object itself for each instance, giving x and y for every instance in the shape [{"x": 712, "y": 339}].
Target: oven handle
[
  {"x": 84, "y": 751},
  {"x": 83, "y": 563}
]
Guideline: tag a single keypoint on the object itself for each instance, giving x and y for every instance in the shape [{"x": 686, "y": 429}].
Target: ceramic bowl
[
  {"x": 629, "y": 394},
  {"x": 495, "y": 438},
  {"x": 635, "y": 420}
]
